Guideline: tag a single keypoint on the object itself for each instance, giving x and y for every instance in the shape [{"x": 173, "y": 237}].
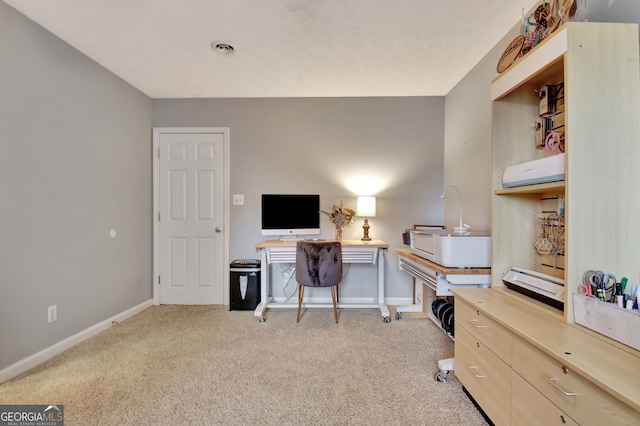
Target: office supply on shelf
[
  {"x": 599, "y": 281},
  {"x": 542, "y": 170},
  {"x": 536, "y": 285}
]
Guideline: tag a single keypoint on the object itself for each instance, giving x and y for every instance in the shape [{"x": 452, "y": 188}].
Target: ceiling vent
[{"x": 222, "y": 48}]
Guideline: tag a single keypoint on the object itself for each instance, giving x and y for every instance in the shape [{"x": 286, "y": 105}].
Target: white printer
[{"x": 543, "y": 170}]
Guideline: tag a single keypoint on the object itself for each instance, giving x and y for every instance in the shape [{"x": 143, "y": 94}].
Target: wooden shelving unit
[
  {"x": 510, "y": 349},
  {"x": 598, "y": 64}
]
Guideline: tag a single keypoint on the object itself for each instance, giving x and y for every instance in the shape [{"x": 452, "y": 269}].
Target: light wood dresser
[{"x": 525, "y": 367}]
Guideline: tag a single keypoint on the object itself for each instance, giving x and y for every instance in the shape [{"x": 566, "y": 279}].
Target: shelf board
[
  {"x": 533, "y": 189},
  {"x": 537, "y": 65},
  {"x": 536, "y": 305}
]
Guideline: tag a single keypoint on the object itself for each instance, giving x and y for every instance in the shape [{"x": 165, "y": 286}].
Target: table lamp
[{"x": 366, "y": 207}]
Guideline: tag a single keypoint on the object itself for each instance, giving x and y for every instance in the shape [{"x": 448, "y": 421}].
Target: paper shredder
[{"x": 244, "y": 283}]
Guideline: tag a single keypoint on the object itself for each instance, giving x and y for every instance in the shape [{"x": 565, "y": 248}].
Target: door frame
[{"x": 157, "y": 131}]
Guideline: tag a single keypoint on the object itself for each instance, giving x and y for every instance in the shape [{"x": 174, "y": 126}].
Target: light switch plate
[{"x": 238, "y": 199}]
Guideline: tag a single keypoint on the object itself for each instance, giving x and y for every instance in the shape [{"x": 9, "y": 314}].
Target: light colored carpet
[{"x": 207, "y": 365}]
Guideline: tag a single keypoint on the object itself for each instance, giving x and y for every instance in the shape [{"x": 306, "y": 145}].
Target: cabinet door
[{"x": 486, "y": 377}]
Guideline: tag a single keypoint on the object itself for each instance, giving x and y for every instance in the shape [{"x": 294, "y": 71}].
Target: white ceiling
[{"x": 330, "y": 48}]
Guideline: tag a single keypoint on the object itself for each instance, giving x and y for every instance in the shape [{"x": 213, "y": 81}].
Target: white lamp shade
[{"x": 366, "y": 207}]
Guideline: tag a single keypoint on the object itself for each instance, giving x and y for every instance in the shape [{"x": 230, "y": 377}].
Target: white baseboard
[{"x": 31, "y": 361}]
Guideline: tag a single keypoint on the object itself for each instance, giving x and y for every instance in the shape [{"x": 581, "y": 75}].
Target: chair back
[{"x": 318, "y": 263}]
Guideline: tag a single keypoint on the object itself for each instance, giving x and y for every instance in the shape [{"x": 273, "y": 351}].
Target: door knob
[{"x": 218, "y": 229}]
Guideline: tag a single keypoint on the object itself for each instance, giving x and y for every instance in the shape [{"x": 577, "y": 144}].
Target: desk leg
[
  {"x": 384, "y": 310},
  {"x": 417, "y": 306},
  {"x": 264, "y": 286}
]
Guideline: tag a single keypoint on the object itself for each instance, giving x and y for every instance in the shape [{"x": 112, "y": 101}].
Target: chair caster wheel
[
  {"x": 261, "y": 319},
  {"x": 386, "y": 319},
  {"x": 398, "y": 315}
]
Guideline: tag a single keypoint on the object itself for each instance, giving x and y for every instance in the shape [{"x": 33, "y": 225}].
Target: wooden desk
[
  {"x": 438, "y": 279},
  {"x": 353, "y": 251}
]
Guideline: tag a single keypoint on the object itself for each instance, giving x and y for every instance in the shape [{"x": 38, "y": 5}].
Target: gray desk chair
[{"x": 318, "y": 264}]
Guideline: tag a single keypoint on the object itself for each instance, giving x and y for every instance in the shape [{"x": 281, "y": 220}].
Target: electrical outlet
[{"x": 52, "y": 313}]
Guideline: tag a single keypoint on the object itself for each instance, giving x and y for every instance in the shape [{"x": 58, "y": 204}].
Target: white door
[{"x": 190, "y": 215}]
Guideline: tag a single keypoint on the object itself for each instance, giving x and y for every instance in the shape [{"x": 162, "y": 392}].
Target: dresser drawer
[
  {"x": 484, "y": 328},
  {"x": 582, "y": 400},
  {"x": 486, "y": 377},
  {"x": 530, "y": 407}
]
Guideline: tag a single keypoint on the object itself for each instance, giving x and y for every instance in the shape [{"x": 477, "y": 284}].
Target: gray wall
[
  {"x": 613, "y": 11},
  {"x": 328, "y": 146},
  {"x": 75, "y": 163}
]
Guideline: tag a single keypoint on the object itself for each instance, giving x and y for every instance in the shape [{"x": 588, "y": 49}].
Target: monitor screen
[{"x": 290, "y": 214}]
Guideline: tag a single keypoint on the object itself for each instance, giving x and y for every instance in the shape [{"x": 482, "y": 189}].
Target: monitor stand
[{"x": 291, "y": 238}]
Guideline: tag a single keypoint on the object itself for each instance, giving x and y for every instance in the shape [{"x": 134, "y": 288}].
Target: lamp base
[{"x": 366, "y": 227}]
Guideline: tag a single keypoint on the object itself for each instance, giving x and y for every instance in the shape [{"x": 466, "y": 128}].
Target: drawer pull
[
  {"x": 474, "y": 373},
  {"x": 552, "y": 382},
  {"x": 475, "y": 324},
  {"x": 563, "y": 419}
]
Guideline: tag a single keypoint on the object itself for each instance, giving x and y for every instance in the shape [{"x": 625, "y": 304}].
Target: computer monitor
[{"x": 290, "y": 215}]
